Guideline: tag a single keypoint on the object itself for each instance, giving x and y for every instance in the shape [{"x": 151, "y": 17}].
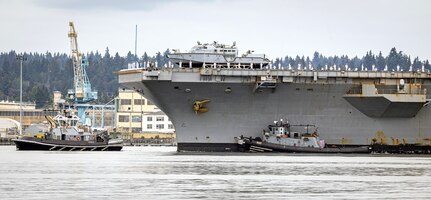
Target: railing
[
  {"x": 407, "y": 91},
  {"x": 390, "y": 91},
  {"x": 354, "y": 91}
]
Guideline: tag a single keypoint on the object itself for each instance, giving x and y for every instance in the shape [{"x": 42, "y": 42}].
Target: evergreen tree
[
  {"x": 380, "y": 61},
  {"x": 165, "y": 59},
  {"x": 316, "y": 60},
  {"x": 145, "y": 57},
  {"x": 159, "y": 60},
  {"x": 277, "y": 62},
  {"x": 107, "y": 55},
  {"x": 417, "y": 64},
  {"x": 393, "y": 59},
  {"x": 427, "y": 65},
  {"x": 369, "y": 60}
]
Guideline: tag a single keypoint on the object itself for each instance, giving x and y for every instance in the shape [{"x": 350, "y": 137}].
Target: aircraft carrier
[{"x": 213, "y": 95}]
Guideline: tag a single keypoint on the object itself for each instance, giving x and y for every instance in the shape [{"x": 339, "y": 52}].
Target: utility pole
[{"x": 21, "y": 58}]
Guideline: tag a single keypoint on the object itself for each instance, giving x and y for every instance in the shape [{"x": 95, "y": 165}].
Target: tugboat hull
[
  {"x": 47, "y": 145},
  {"x": 265, "y": 147}
]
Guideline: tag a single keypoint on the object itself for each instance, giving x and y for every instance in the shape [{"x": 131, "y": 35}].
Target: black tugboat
[
  {"x": 66, "y": 134},
  {"x": 280, "y": 138}
]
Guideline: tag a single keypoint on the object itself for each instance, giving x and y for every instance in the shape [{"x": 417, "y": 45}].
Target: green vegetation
[{"x": 395, "y": 60}]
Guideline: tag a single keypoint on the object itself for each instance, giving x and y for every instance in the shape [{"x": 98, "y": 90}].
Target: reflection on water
[{"x": 162, "y": 173}]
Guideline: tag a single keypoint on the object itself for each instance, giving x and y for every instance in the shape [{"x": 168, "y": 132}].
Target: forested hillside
[{"x": 44, "y": 73}]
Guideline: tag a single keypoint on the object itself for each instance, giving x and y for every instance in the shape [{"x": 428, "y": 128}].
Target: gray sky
[{"x": 274, "y": 27}]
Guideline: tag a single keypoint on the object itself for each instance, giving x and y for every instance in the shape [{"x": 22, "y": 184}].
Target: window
[
  {"x": 160, "y": 126},
  {"x": 126, "y": 102},
  {"x": 123, "y": 118},
  {"x": 170, "y": 126},
  {"x": 149, "y": 103},
  {"x": 149, "y": 119},
  {"x": 136, "y": 118},
  {"x": 149, "y": 126},
  {"x": 139, "y": 102},
  {"x": 160, "y": 119}
]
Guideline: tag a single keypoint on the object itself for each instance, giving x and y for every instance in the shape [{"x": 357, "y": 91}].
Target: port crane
[{"x": 81, "y": 93}]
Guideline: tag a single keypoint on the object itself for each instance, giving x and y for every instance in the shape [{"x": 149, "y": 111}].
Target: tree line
[
  {"x": 394, "y": 61},
  {"x": 44, "y": 73}
]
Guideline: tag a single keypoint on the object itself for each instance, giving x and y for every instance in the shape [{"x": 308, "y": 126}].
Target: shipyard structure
[{"x": 213, "y": 96}]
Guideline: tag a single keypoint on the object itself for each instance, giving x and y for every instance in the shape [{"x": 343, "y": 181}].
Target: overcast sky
[{"x": 274, "y": 27}]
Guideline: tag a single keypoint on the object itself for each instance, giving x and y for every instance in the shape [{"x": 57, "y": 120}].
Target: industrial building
[
  {"x": 10, "y": 111},
  {"x": 138, "y": 118}
]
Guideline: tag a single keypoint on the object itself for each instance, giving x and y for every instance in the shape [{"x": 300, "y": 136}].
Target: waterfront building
[
  {"x": 137, "y": 117},
  {"x": 31, "y": 115}
]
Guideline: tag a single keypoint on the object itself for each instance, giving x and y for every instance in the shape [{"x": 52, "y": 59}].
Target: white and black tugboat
[
  {"x": 280, "y": 138},
  {"x": 65, "y": 134}
]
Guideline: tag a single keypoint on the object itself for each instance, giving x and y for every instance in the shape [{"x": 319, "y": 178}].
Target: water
[{"x": 161, "y": 173}]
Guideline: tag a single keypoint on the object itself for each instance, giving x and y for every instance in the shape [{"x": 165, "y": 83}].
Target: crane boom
[
  {"x": 76, "y": 62},
  {"x": 81, "y": 92}
]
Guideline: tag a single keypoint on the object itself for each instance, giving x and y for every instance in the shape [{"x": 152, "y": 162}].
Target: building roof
[{"x": 155, "y": 113}]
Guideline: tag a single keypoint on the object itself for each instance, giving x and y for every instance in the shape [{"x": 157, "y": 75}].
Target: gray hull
[{"x": 246, "y": 111}]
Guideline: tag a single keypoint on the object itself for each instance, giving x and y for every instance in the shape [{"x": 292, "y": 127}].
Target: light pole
[{"x": 21, "y": 58}]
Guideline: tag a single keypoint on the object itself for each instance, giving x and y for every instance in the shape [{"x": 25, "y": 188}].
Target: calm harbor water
[{"x": 162, "y": 173}]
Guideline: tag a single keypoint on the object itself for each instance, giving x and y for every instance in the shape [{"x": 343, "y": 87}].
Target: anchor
[{"x": 198, "y": 106}]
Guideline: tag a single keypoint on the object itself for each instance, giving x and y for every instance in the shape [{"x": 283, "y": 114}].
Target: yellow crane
[{"x": 81, "y": 92}]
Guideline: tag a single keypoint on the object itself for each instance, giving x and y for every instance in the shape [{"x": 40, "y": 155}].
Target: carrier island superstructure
[{"x": 214, "y": 95}]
